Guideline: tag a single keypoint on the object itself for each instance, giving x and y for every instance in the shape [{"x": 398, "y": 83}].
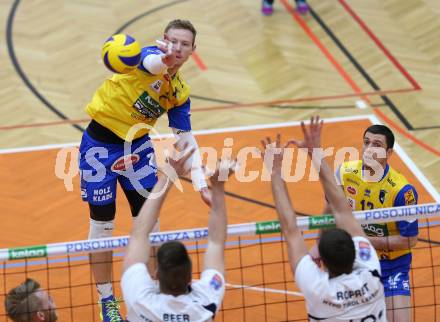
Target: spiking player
[
  {"x": 371, "y": 183},
  {"x": 156, "y": 87},
  {"x": 350, "y": 288}
]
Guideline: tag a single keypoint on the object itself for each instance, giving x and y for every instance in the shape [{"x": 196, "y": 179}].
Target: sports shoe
[
  {"x": 266, "y": 8},
  {"x": 302, "y": 7},
  {"x": 110, "y": 310}
]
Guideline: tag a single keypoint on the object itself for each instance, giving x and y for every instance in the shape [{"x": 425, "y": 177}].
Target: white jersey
[
  {"x": 355, "y": 297},
  {"x": 145, "y": 303}
]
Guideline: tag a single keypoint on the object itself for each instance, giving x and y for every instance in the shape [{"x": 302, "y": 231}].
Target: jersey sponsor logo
[
  {"x": 393, "y": 281},
  {"x": 121, "y": 164},
  {"x": 391, "y": 182},
  {"x": 351, "y": 170},
  {"x": 382, "y": 194},
  {"x": 364, "y": 251},
  {"x": 375, "y": 230},
  {"x": 405, "y": 284},
  {"x": 84, "y": 193},
  {"x": 102, "y": 194},
  {"x": 155, "y": 86},
  {"x": 410, "y": 199},
  {"x": 367, "y": 193},
  {"x": 351, "y": 190},
  {"x": 148, "y": 107},
  {"x": 136, "y": 116},
  {"x": 216, "y": 282}
]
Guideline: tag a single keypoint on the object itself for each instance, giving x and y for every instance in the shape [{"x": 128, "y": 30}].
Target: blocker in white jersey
[
  {"x": 349, "y": 289},
  {"x": 356, "y": 297},
  {"x": 175, "y": 297},
  {"x": 145, "y": 303}
]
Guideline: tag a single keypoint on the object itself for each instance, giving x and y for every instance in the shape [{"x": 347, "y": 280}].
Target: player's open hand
[
  {"x": 169, "y": 57},
  {"x": 312, "y": 135},
  {"x": 176, "y": 164},
  {"x": 224, "y": 169},
  {"x": 273, "y": 153}
]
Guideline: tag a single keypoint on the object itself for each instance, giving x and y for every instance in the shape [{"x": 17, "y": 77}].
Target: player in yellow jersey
[
  {"x": 110, "y": 152},
  {"x": 371, "y": 183}
]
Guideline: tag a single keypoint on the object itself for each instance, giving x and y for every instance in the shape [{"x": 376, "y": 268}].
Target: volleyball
[{"x": 121, "y": 53}]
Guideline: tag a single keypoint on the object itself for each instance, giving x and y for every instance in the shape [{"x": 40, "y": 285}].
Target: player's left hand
[
  {"x": 273, "y": 153},
  {"x": 224, "y": 169},
  {"x": 312, "y": 135},
  {"x": 205, "y": 193},
  {"x": 169, "y": 56},
  {"x": 175, "y": 165}
]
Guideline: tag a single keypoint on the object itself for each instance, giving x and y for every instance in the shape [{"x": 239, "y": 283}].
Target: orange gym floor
[{"x": 37, "y": 209}]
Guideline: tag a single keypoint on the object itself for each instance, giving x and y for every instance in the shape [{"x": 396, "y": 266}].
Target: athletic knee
[
  {"x": 103, "y": 212},
  {"x": 101, "y": 221},
  {"x": 100, "y": 229}
]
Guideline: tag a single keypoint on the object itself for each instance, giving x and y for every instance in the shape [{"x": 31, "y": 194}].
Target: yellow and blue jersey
[
  {"x": 393, "y": 190},
  {"x": 140, "y": 97}
]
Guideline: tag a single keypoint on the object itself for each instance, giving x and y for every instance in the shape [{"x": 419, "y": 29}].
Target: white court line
[
  {"x": 197, "y": 132},
  {"x": 411, "y": 165},
  {"x": 39, "y": 148},
  {"x": 264, "y": 289},
  {"x": 276, "y": 125}
]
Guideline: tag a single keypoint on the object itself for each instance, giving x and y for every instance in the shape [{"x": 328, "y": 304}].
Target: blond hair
[{"x": 182, "y": 24}]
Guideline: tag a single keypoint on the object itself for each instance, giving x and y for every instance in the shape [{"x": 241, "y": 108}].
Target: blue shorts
[
  {"x": 396, "y": 282},
  {"x": 102, "y": 164}
]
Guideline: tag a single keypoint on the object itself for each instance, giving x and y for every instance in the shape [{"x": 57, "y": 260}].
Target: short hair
[
  {"x": 384, "y": 130},
  {"x": 174, "y": 267},
  {"x": 21, "y": 302},
  {"x": 182, "y": 24},
  {"x": 337, "y": 251}
]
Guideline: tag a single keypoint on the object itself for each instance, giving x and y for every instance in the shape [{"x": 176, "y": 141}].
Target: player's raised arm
[
  {"x": 296, "y": 247},
  {"x": 335, "y": 196},
  {"x": 138, "y": 250},
  {"x": 185, "y": 136},
  {"x": 217, "y": 226}
]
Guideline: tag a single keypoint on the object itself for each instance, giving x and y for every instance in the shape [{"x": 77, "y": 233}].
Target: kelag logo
[
  {"x": 268, "y": 227},
  {"x": 316, "y": 222},
  {"x": 28, "y": 252}
]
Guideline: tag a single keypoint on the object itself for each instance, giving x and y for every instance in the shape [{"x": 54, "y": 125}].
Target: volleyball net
[{"x": 260, "y": 284}]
